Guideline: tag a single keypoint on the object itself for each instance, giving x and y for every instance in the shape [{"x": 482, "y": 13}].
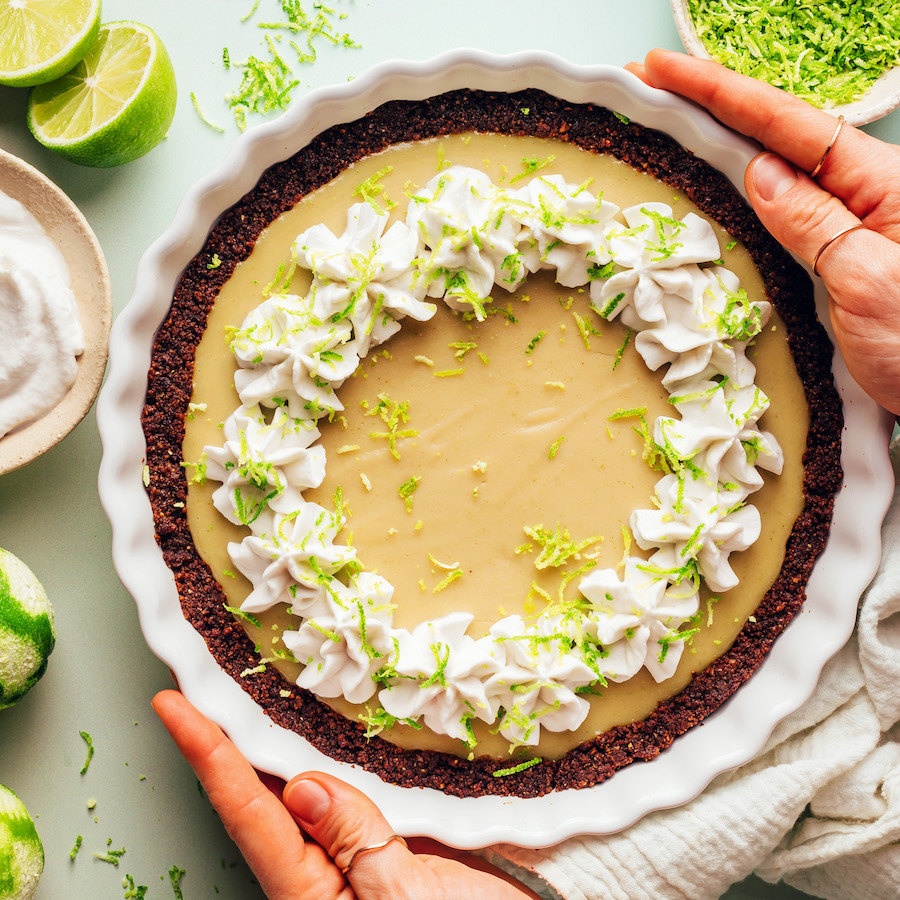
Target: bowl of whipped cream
[{"x": 56, "y": 306}]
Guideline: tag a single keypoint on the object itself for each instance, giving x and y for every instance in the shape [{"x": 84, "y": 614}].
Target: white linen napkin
[{"x": 818, "y": 808}]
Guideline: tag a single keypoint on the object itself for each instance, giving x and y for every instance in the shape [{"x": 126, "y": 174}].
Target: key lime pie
[{"x": 491, "y": 442}]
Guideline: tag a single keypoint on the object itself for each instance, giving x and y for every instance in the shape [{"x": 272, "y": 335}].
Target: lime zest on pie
[{"x": 686, "y": 314}]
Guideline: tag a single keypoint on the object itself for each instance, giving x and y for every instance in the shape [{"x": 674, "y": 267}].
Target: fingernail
[
  {"x": 307, "y": 800},
  {"x": 772, "y": 176}
]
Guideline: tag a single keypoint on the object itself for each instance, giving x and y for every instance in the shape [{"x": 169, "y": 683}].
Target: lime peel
[
  {"x": 268, "y": 81},
  {"x": 21, "y": 851},
  {"x": 27, "y": 632}
]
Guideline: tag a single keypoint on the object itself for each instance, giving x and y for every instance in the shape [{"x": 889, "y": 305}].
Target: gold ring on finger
[
  {"x": 831, "y": 143},
  {"x": 371, "y": 847},
  {"x": 831, "y": 240}
]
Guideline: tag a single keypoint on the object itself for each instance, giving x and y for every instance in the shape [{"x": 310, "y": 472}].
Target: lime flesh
[
  {"x": 43, "y": 39},
  {"x": 114, "y": 106}
]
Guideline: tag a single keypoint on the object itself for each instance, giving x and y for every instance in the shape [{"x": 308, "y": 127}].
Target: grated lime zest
[{"x": 826, "y": 53}]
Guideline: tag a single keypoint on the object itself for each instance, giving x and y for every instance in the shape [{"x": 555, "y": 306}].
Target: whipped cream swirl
[{"x": 462, "y": 237}]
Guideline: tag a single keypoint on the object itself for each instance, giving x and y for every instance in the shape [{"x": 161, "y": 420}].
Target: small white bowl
[
  {"x": 69, "y": 230},
  {"x": 882, "y": 98}
]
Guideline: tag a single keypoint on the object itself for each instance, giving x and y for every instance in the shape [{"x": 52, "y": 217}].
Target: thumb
[
  {"x": 797, "y": 212},
  {"x": 344, "y": 821},
  {"x": 861, "y": 269}
]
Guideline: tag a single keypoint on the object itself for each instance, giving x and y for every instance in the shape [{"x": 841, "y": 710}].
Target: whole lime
[{"x": 27, "y": 633}]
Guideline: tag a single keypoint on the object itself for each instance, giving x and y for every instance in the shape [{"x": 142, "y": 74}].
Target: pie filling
[{"x": 485, "y": 458}]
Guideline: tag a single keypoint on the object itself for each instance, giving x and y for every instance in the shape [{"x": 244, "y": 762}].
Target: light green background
[{"x": 102, "y": 675}]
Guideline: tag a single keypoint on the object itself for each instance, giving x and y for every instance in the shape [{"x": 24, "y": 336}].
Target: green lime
[
  {"x": 42, "y": 39},
  {"x": 27, "y": 634},
  {"x": 21, "y": 852},
  {"x": 114, "y": 106}
]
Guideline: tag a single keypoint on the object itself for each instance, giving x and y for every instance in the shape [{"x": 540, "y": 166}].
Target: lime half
[
  {"x": 42, "y": 39},
  {"x": 21, "y": 853},
  {"x": 114, "y": 106}
]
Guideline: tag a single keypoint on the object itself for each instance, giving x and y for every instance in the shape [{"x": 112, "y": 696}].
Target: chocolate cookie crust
[{"x": 169, "y": 389}]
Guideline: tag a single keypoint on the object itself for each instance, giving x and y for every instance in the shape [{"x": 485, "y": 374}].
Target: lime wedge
[
  {"x": 42, "y": 39},
  {"x": 114, "y": 106}
]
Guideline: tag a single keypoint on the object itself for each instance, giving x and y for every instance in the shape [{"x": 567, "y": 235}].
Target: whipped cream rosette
[
  {"x": 563, "y": 228},
  {"x": 444, "y": 676},
  {"x": 370, "y": 273},
  {"x": 346, "y": 638},
  {"x": 545, "y": 669},
  {"x": 461, "y": 237},
  {"x": 646, "y": 252},
  {"x": 265, "y": 463},
  {"x": 291, "y": 556},
  {"x": 632, "y": 614},
  {"x": 467, "y": 226},
  {"x": 693, "y": 523},
  {"x": 718, "y": 425},
  {"x": 280, "y": 348}
]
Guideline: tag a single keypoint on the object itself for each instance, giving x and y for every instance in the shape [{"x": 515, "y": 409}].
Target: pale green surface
[{"x": 101, "y": 676}]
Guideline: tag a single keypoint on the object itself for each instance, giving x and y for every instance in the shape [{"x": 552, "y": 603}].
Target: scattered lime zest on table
[
  {"x": 175, "y": 876},
  {"x": 90, "y": 751},
  {"x": 114, "y": 106},
  {"x": 210, "y": 124},
  {"x": 132, "y": 891},
  {"x": 43, "y": 39},
  {"x": 268, "y": 80},
  {"x": 111, "y": 856},
  {"x": 826, "y": 53}
]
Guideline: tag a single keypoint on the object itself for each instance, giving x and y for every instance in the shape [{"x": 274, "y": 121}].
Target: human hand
[
  {"x": 858, "y": 184},
  {"x": 298, "y": 844}
]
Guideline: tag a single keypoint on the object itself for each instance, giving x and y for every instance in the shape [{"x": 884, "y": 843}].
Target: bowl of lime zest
[{"x": 841, "y": 56}]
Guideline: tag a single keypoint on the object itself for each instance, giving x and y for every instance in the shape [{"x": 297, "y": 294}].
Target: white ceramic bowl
[
  {"x": 728, "y": 738},
  {"x": 882, "y": 98},
  {"x": 65, "y": 224}
]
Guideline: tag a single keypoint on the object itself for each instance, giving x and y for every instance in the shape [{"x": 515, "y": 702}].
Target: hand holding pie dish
[{"x": 838, "y": 221}]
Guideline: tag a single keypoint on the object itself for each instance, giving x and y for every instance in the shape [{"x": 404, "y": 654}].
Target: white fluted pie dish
[{"x": 727, "y": 738}]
